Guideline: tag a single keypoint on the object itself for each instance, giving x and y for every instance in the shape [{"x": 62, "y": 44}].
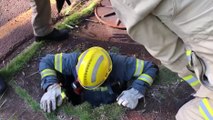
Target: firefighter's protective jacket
[{"x": 124, "y": 69}]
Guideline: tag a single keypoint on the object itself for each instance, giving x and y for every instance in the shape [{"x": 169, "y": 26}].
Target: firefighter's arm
[
  {"x": 51, "y": 64},
  {"x": 47, "y": 71},
  {"x": 144, "y": 72}
]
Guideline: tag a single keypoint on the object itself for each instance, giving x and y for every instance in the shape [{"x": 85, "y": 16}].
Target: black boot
[
  {"x": 55, "y": 35},
  {"x": 3, "y": 86}
]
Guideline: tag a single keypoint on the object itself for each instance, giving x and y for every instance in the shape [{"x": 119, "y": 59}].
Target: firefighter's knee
[
  {"x": 181, "y": 113},
  {"x": 190, "y": 110}
]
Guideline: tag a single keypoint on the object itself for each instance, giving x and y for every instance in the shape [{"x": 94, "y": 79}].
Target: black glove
[{"x": 60, "y": 3}]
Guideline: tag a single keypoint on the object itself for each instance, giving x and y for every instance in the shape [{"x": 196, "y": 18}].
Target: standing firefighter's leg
[
  {"x": 200, "y": 108},
  {"x": 41, "y": 17},
  {"x": 161, "y": 43}
]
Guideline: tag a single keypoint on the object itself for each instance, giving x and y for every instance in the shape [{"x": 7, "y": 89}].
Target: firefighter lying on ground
[{"x": 95, "y": 76}]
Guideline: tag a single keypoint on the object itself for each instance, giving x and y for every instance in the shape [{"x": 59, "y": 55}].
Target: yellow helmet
[{"x": 93, "y": 67}]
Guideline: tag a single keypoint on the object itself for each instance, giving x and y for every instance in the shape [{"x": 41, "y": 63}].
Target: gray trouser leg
[{"x": 41, "y": 17}]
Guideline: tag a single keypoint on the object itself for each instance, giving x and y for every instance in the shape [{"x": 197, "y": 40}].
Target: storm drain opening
[{"x": 106, "y": 15}]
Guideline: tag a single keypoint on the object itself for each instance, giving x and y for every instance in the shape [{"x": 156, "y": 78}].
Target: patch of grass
[
  {"x": 114, "y": 49},
  {"x": 76, "y": 17},
  {"x": 50, "y": 116},
  {"x": 86, "y": 112},
  {"x": 166, "y": 76},
  {"x": 23, "y": 94},
  {"x": 108, "y": 112},
  {"x": 82, "y": 111},
  {"x": 18, "y": 62}
]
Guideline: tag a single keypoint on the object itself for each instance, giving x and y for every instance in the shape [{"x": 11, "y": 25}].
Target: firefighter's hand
[
  {"x": 51, "y": 98},
  {"x": 129, "y": 98}
]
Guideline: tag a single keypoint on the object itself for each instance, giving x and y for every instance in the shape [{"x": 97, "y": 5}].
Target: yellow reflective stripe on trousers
[
  {"x": 146, "y": 78},
  {"x": 191, "y": 80},
  {"x": 58, "y": 62},
  {"x": 205, "y": 109},
  {"x": 188, "y": 55},
  {"x": 138, "y": 67},
  {"x": 47, "y": 72}
]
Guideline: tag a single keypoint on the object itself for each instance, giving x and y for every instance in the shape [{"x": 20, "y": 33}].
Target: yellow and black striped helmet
[{"x": 93, "y": 67}]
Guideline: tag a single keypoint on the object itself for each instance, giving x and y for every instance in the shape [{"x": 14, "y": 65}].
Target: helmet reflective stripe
[
  {"x": 108, "y": 57},
  {"x": 191, "y": 80},
  {"x": 80, "y": 60},
  {"x": 58, "y": 62},
  {"x": 138, "y": 67},
  {"x": 97, "y": 66},
  {"x": 47, "y": 72},
  {"x": 146, "y": 78},
  {"x": 205, "y": 109}
]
